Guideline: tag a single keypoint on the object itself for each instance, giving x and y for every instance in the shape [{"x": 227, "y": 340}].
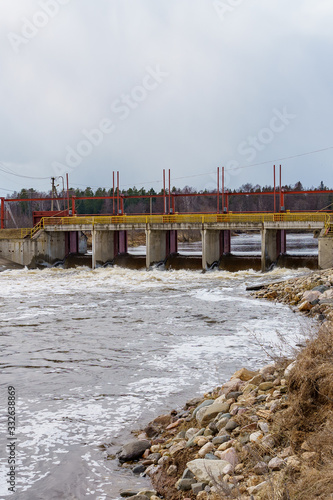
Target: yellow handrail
[{"x": 255, "y": 218}]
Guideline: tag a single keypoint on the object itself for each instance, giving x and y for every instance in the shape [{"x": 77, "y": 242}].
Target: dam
[{"x": 54, "y": 238}]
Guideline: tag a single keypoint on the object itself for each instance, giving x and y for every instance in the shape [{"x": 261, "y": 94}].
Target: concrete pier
[
  {"x": 325, "y": 253},
  {"x": 159, "y": 245},
  {"x": 60, "y": 237}
]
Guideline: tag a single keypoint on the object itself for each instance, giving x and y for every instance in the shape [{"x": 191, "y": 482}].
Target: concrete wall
[
  {"x": 155, "y": 247},
  {"x": 48, "y": 247},
  {"x": 269, "y": 248},
  {"x": 325, "y": 253},
  {"x": 103, "y": 247},
  {"x": 211, "y": 247}
]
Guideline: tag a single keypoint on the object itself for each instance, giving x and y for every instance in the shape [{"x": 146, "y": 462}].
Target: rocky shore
[{"x": 262, "y": 435}]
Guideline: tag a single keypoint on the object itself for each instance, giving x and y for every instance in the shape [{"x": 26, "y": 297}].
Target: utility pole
[{"x": 53, "y": 190}]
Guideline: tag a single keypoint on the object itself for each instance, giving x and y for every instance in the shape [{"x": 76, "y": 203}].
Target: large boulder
[
  {"x": 205, "y": 415},
  {"x": 207, "y": 470},
  {"x": 133, "y": 450}
]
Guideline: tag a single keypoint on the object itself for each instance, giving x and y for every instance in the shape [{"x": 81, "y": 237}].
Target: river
[{"x": 95, "y": 354}]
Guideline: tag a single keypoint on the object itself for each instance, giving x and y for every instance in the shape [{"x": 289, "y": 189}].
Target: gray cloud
[{"x": 226, "y": 76}]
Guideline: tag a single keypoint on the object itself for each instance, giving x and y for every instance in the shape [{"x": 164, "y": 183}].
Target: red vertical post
[
  {"x": 118, "y": 192},
  {"x": 164, "y": 200},
  {"x": 73, "y": 205},
  {"x": 67, "y": 192},
  {"x": 173, "y": 204},
  {"x": 227, "y": 200},
  {"x": 113, "y": 193},
  {"x": 169, "y": 192},
  {"x": 218, "y": 191},
  {"x": 281, "y": 195},
  {"x": 223, "y": 189},
  {"x": 2, "y": 217},
  {"x": 274, "y": 190},
  {"x": 122, "y": 204}
]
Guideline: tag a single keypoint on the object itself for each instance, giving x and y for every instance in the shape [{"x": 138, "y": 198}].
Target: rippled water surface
[{"x": 94, "y": 354}]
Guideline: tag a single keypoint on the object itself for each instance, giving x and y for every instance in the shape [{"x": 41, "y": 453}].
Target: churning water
[{"x": 95, "y": 354}]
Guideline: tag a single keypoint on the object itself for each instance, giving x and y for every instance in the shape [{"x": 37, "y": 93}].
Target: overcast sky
[{"x": 92, "y": 86}]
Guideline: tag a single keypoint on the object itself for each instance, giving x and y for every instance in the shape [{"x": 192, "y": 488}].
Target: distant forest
[{"x": 20, "y": 213}]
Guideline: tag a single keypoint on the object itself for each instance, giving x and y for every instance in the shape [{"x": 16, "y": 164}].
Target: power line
[{"x": 7, "y": 170}]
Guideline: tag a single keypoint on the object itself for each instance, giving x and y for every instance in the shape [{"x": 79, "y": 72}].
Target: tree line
[{"x": 20, "y": 213}]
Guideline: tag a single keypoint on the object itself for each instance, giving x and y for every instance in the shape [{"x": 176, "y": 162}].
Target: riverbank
[{"x": 263, "y": 434}]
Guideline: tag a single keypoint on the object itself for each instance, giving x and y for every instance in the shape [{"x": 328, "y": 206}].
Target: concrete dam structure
[{"x": 54, "y": 238}]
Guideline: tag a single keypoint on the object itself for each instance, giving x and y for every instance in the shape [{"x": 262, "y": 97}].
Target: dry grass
[{"x": 307, "y": 424}]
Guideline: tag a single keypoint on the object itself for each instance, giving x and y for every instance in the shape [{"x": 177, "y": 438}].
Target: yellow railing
[{"x": 254, "y": 218}]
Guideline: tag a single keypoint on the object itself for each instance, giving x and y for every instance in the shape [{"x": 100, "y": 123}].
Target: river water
[{"x": 95, "y": 354}]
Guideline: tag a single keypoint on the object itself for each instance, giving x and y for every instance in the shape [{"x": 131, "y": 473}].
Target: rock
[
  {"x": 234, "y": 395},
  {"x": 225, "y": 446},
  {"x": 187, "y": 474},
  {"x": 163, "y": 460},
  {"x": 207, "y": 470},
  {"x": 276, "y": 463},
  {"x": 232, "y": 385},
  {"x": 205, "y": 415},
  {"x": 177, "y": 447},
  {"x": 231, "y": 425},
  {"x": 289, "y": 369},
  {"x": 253, "y": 490},
  {"x": 311, "y": 295},
  {"x": 257, "y": 379},
  {"x": 221, "y": 439},
  {"x": 174, "y": 424},
  {"x": 148, "y": 493},
  {"x": 133, "y": 450},
  {"x": 196, "y": 488},
  {"x": 207, "y": 448},
  {"x": 210, "y": 456},
  {"x": 327, "y": 295},
  {"x": 152, "y": 470},
  {"x": 172, "y": 470},
  {"x": 305, "y": 306},
  {"x": 228, "y": 469},
  {"x": 184, "y": 484},
  {"x": 151, "y": 430},
  {"x": 193, "y": 402},
  {"x": 222, "y": 423},
  {"x": 256, "y": 437},
  {"x": 128, "y": 493},
  {"x": 260, "y": 468},
  {"x": 265, "y": 386},
  {"x": 138, "y": 469},
  {"x": 249, "y": 388},
  {"x": 205, "y": 403},
  {"x": 154, "y": 457},
  {"x": 286, "y": 452},
  {"x": 139, "y": 497},
  {"x": 267, "y": 442},
  {"x": 267, "y": 370},
  {"x": 200, "y": 441},
  {"x": 162, "y": 420},
  {"x": 244, "y": 374},
  {"x": 320, "y": 288},
  {"x": 263, "y": 426},
  {"x": 230, "y": 456},
  {"x": 190, "y": 433}
]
